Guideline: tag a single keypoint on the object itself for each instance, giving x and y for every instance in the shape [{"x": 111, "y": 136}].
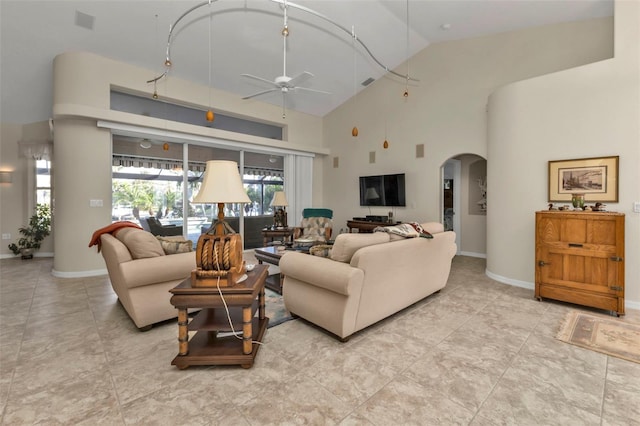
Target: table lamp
[
  {"x": 371, "y": 194},
  {"x": 219, "y": 250},
  {"x": 280, "y": 215}
]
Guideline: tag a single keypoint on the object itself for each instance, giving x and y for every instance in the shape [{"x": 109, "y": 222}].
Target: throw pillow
[
  {"x": 177, "y": 244},
  {"x": 405, "y": 230},
  {"x": 141, "y": 244},
  {"x": 322, "y": 250}
]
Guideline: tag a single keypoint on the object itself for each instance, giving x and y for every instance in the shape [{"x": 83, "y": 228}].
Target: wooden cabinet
[{"x": 580, "y": 258}]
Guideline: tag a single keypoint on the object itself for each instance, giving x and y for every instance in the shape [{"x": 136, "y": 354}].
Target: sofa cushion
[
  {"x": 433, "y": 227},
  {"x": 141, "y": 244},
  {"x": 175, "y": 244},
  {"x": 346, "y": 245}
]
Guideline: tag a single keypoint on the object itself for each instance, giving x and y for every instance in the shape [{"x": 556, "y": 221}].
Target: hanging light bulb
[
  {"x": 209, "y": 116},
  {"x": 385, "y": 145},
  {"x": 406, "y": 87},
  {"x": 165, "y": 146},
  {"x": 167, "y": 63},
  {"x": 354, "y": 131},
  {"x": 285, "y": 31}
]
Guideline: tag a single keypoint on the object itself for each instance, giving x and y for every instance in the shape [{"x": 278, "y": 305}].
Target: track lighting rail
[{"x": 285, "y": 3}]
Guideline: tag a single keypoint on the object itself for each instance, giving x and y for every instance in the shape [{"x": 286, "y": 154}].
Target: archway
[{"x": 464, "y": 202}]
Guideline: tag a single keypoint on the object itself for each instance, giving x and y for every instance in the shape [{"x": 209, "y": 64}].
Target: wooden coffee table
[{"x": 272, "y": 256}]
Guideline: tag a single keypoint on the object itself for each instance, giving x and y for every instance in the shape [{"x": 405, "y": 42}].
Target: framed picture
[{"x": 596, "y": 178}]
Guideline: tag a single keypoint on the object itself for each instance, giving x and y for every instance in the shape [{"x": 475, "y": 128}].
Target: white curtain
[
  {"x": 298, "y": 185},
  {"x": 38, "y": 150}
]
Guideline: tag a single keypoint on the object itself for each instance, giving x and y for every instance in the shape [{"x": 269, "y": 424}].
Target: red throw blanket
[{"x": 110, "y": 229}]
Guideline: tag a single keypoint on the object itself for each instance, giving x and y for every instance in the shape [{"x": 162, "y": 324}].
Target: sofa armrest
[
  {"x": 321, "y": 272},
  {"x": 152, "y": 270}
]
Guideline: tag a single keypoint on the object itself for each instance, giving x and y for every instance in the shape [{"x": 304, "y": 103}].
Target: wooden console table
[
  {"x": 365, "y": 225},
  {"x": 206, "y": 347}
]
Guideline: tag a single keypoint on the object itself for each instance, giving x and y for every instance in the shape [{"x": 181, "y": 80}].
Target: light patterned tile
[
  {"x": 405, "y": 402},
  {"x": 351, "y": 376},
  {"x": 522, "y": 396},
  {"x": 65, "y": 402},
  {"x": 622, "y": 391},
  {"x": 300, "y": 401}
]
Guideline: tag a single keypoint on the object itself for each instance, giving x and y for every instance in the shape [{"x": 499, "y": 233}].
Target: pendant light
[
  {"x": 406, "y": 87},
  {"x": 354, "y": 131},
  {"x": 209, "y": 115}
]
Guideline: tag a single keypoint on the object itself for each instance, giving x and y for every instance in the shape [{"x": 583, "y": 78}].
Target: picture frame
[{"x": 596, "y": 178}]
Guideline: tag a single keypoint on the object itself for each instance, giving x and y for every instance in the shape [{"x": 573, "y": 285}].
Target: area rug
[
  {"x": 275, "y": 310},
  {"x": 598, "y": 333}
]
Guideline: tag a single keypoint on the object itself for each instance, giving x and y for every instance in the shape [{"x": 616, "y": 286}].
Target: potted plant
[{"x": 32, "y": 235}]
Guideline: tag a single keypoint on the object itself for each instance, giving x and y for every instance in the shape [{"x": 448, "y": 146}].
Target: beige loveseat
[
  {"x": 366, "y": 278},
  {"x": 142, "y": 274}
]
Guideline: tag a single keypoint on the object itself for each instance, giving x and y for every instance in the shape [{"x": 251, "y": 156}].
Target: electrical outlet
[
  {"x": 6, "y": 236},
  {"x": 95, "y": 203}
]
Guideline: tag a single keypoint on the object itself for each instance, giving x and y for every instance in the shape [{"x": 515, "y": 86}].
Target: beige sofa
[
  {"x": 366, "y": 278},
  {"x": 142, "y": 274}
]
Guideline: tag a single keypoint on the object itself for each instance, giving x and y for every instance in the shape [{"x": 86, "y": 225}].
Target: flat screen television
[{"x": 382, "y": 190}]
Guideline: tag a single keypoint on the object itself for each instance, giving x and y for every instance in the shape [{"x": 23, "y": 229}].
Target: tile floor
[{"x": 480, "y": 353}]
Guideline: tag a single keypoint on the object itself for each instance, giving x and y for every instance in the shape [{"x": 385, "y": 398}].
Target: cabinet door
[{"x": 579, "y": 253}]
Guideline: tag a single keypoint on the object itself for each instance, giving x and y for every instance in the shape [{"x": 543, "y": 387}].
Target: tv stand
[{"x": 365, "y": 225}]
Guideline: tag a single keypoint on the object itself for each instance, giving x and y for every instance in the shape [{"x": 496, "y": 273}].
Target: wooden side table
[
  {"x": 206, "y": 347},
  {"x": 365, "y": 225},
  {"x": 269, "y": 234}
]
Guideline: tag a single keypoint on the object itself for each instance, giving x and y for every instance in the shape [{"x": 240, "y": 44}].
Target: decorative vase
[{"x": 577, "y": 200}]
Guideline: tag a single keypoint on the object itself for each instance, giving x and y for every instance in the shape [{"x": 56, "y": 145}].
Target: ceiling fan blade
[
  {"x": 300, "y": 78},
  {"x": 312, "y": 90},
  {"x": 264, "y": 80},
  {"x": 261, "y": 93}
]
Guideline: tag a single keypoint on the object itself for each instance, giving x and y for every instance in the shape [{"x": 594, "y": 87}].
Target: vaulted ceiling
[{"x": 244, "y": 37}]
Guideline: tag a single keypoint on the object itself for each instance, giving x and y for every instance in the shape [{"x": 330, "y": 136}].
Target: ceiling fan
[{"x": 284, "y": 83}]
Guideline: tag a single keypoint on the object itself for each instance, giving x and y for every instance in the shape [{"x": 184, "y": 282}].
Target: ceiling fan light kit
[{"x": 282, "y": 83}]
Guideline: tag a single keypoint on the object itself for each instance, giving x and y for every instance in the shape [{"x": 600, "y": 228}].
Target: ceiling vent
[
  {"x": 85, "y": 21},
  {"x": 368, "y": 81}
]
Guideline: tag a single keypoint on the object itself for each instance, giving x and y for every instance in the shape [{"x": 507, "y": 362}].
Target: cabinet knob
[{"x": 543, "y": 263}]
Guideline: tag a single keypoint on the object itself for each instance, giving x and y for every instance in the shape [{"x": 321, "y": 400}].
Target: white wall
[
  {"x": 590, "y": 111},
  {"x": 445, "y": 111}
]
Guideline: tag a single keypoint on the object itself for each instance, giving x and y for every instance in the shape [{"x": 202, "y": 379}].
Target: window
[
  {"x": 149, "y": 185},
  {"x": 260, "y": 190},
  {"x": 43, "y": 182}
]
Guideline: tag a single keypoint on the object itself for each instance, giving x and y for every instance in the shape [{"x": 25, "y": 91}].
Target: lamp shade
[
  {"x": 371, "y": 194},
  {"x": 279, "y": 199},
  {"x": 221, "y": 184}
]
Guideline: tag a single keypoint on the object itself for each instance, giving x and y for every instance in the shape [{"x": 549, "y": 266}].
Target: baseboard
[
  {"x": 510, "y": 281},
  {"x": 79, "y": 274},
  {"x": 472, "y": 254},
  {"x": 628, "y": 304},
  {"x": 12, "y": 256}
]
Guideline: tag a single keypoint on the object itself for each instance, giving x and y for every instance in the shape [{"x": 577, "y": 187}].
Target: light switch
[
  {"x": 95, "y": 203},
  {"x": 636, "y": 207}
]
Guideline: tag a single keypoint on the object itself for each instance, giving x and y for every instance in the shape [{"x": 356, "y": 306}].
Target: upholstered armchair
[
  {"x": 157, "y": 228},
  {"x": 316, "y": 225}
]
